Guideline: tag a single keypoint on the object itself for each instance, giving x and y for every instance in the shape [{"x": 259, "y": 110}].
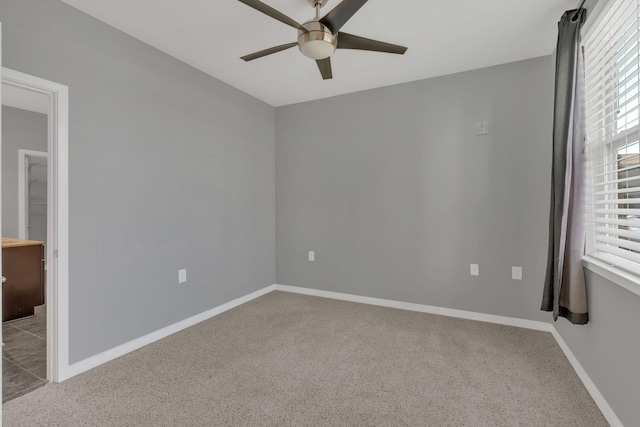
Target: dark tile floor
[{"x": 24, "y": 356}]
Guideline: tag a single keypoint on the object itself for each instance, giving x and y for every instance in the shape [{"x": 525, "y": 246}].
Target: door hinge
[{"x": 55, "y": 253}]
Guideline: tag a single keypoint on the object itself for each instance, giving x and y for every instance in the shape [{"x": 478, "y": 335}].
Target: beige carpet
[{"x": 287, "y": 359}]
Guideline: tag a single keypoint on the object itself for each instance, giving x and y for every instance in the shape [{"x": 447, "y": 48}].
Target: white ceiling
[{"x": 443, "y": 37}]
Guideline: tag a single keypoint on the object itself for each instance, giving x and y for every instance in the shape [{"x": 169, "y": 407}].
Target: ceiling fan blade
[
  {"x": 269, "y": 51},
  {"x": 340, "y": 14},
  {"x": 325, "y": 68},
  {"x": 349, "y": 41},
  {"x": 268, "y": 10}
]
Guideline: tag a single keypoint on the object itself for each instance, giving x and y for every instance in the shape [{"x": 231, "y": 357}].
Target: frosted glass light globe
[{"x": 317, "y": 49}]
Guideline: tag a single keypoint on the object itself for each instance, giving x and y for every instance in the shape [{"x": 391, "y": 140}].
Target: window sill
[{"x": 627, "y": 280}]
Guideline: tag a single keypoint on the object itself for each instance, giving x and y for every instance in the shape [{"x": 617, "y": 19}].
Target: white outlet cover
[
  {"x": 182, "y": 275},
  {"x": 312, "y": 256},
  {"x": 474, "y": 270},
  {"x": 516, "y": 273}
]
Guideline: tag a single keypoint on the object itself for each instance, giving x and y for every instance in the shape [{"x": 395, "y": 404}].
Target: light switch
[
  {"x": 312, "y": 256},
  {"x": 182, "y": 275}
]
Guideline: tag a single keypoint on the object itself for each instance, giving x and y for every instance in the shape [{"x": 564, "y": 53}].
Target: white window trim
[
  {"x": 594, "y": 16},
  {"x": 616, "y": 275}
]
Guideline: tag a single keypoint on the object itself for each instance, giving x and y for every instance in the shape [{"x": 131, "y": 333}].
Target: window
[{"x": 613, "y": 136}]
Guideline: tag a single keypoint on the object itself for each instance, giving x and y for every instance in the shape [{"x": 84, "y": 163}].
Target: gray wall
[
  {"x": 397, "y": 195},
  {"x": 608, "y": 347},
  {"x": 20, "y": 130},
  {"x": 169, "y": 169}
]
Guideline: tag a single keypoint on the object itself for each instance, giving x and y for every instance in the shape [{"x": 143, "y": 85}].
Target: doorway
[
  {"x": 24, "y": 239},
  {"x": 32, "y": 194},
  {"x": 42, "y": 217}
]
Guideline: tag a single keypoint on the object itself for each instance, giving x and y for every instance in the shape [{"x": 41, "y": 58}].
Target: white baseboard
[
  {"x": 597, "y": 397},
  {"x": 121, "y": 350},
  {"x": 450, "y": 312}
]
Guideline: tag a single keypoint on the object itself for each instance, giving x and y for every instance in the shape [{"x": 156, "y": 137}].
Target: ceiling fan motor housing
[{"x": 316, "y": 40}]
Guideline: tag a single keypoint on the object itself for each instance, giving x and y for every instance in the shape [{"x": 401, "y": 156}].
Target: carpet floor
[{"x": 294, "y": 360}]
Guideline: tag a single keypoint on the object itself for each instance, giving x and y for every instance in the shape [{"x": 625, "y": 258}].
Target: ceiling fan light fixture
[
  {"x": 318, "y": 38},
  {"x": 316, "y": 41},
  {"x": 317, "y": 49}
]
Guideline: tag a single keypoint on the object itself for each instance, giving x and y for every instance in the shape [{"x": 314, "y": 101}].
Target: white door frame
[
  {"x": 57, "y": 287},
  {"x": 23, "y": 203}
]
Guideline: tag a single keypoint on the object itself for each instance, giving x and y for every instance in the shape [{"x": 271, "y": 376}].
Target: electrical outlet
[
  {"x": 312, "y": 256},
  {"x": 516, "y": 273},
  {"x": 182, "y": 275},
  {"x": 475, "y": 270}
]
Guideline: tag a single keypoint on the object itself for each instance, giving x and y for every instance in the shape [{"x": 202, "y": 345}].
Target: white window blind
[{"x": 613, "y": 137}]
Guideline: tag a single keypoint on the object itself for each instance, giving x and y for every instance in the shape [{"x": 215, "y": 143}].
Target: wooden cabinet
[{"x": 23, "y": 266}]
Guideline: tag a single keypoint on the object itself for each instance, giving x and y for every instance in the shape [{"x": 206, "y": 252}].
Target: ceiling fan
[{"x": 320, "y": 37}]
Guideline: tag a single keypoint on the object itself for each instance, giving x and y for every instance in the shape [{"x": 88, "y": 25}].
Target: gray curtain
[{"x": 564, "y": 288}]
